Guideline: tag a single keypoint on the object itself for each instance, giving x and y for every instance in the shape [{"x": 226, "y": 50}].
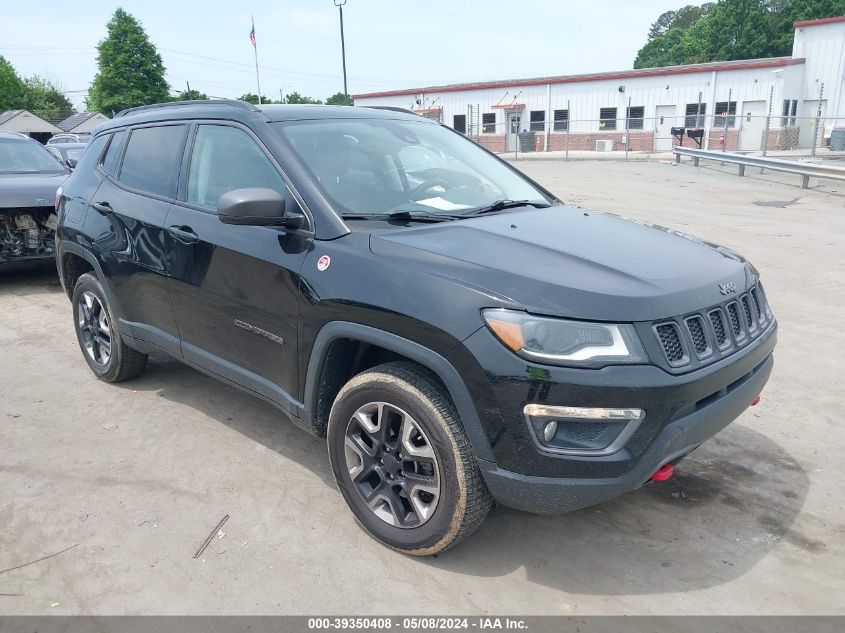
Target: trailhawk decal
[{"x": 257, "y": 330}]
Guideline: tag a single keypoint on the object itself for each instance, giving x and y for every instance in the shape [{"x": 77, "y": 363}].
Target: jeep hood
[
  {"x": 567, "y": 262},
  {"x": 28, "y": 190}
]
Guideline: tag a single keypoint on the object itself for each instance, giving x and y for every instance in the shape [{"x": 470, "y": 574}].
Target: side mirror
[
  {"x": 72, "y": 163},
  {"x": 257, "y": 207}
]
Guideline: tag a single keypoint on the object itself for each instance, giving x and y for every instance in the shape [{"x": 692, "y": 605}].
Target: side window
[
  {"x": 92, "y": 154},
  {"x": 113, "y": 153},
  {"x": 152, "y": 159},
  {"x": 226, "y": 158}
]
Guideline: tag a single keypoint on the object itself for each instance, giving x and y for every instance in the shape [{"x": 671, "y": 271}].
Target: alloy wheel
[
  {"x": 392, "y": 464},
  {"x": 94, "y": 327}
]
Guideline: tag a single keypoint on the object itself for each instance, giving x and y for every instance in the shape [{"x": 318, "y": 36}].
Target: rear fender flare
[{"x": 76, "y": 249}]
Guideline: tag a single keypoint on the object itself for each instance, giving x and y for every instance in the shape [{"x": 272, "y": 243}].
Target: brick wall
[
  {"x": 715, "y": 136},
  {"x": 639, "y": 141},
  {"x": 494, "y": 142}
]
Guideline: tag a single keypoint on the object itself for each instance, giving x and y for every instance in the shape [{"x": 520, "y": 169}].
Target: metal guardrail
[{"x": 803, "y": 169}]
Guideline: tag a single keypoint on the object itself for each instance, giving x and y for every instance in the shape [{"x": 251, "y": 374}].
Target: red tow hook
[
  {"x": 663, "y": 473},
  {"x": 755, "y": 402}
]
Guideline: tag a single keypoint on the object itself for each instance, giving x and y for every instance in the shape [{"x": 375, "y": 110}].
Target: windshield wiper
[
  {"x": 501, "y": 205},
  {"x": 401, "y": 216}
]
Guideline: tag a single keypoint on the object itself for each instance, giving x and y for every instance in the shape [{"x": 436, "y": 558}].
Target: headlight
[{"x": 564, "y": 342}]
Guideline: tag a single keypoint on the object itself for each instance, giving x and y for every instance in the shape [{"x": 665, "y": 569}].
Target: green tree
[
  {"x": 45, "y": 98},
  {"x": 131, "y": 72},
  {"x": 12, "y": 92},
  {"x": 741, "y": 29},
  {"x": 251, "y": 97},
  {"x": 339, "y": 99},
  {"x": 729, "y": 29},
  {"x": 193, "y": 95},
  {"x": 790, "y": 11},
  {"x": 668, "y": 40},
  {"x": 295, "y": 97}
]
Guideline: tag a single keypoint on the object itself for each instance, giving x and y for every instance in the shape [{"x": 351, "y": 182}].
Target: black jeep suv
[{"x": 456, "y": 332}]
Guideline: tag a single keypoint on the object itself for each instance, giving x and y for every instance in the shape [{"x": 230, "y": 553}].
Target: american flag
[{"x": 252, "y": 35}]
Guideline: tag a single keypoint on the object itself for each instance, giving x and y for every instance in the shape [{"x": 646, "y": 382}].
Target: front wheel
[{"x": 403, "y": 462}]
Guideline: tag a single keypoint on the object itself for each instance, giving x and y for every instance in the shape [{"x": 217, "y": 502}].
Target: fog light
[{"x": 581, "y": 430}]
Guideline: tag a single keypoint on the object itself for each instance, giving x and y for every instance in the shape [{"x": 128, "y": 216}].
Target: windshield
[
  {"x": 26, "y": 157},
  {"x": 377, "y": 166}
]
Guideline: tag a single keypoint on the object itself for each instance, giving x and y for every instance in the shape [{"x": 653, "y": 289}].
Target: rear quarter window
[
  {"x": 113, "y": 152},
  {"x": 152, "y": 159},
  {"x": 92, "y": 154}
]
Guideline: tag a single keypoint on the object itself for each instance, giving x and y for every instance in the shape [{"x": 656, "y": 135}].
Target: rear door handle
[
  {"x": 102, "y": 207},
  {"x": 184, "y": 234}
]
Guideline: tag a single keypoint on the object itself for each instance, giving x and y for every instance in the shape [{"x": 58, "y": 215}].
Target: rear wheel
[
  {"x": 403, "y": 462},
  {"x": 99, "y": 336}
]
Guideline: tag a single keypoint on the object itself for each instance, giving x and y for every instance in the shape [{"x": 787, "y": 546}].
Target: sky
[{"x": 390, "y": 44}]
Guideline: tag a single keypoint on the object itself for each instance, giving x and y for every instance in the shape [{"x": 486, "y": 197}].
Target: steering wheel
[{"x": 426, "y": 185}]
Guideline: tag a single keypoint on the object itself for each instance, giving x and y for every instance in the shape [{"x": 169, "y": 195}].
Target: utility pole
[
  {"x": 818, "y": 120},
  {"x": 768, "y": 121},
  {"x": 339, "y": 4},
  {"x": 255, "y": 50}
]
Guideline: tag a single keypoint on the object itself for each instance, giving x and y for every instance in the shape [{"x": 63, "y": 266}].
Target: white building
[
  {"x": 26, "y": 122},
  {"x": 82, "y": 122},
  {"x": 729, "y": 101}
]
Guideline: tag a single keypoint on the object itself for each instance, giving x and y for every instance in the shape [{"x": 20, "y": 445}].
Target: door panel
[
  {"x": 513, "y": 122},
  {"x": 127, "y": 227},
  {"x": 235, "y": 288},
  {"x": 807, "y": 122},
  {"x": 235, "y": 295},
  {"x": 665, "y": 120},
  {"x": 128, "y": 231},
  {"x": 753, "y": 125}
]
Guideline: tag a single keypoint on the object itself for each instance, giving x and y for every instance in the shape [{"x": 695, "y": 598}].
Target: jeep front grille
[
  {"x": 670, "y": 339},
  {"x": 717, "y": 320},
  {"x": 715, "y": 332}
]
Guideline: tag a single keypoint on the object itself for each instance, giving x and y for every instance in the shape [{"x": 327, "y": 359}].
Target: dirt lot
[{"x": 135, "y": 476}]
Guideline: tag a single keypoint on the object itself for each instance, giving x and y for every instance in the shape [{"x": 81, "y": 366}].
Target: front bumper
[
  {"x": 681, "y": 413},
  {"x": 550, "y": 495}
]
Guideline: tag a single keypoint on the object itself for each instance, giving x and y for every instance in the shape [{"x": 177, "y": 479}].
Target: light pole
[{"x": 339, "y": 4}]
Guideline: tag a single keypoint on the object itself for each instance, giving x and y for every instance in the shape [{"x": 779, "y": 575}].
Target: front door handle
[
  {"x": 184, "y": 234},
  {"x": 102, "y": 207}
]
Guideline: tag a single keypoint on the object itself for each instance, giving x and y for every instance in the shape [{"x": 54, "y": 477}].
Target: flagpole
[{"x": 255, "y": 50}]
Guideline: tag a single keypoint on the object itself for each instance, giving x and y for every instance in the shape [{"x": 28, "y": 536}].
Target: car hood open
[
  {"x": 29, "y": 190},
  {"x": 568, "y": 262}
]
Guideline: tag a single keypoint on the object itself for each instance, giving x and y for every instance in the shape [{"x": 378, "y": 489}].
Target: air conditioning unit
[{"x": 604, "y": 146}]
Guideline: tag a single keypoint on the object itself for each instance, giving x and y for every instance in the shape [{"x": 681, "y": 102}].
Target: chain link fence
[{"x": 519, "y": 132}]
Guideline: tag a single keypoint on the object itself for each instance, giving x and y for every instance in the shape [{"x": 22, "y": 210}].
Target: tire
[
  {"x": 389, "y": 483},
  {"x": 94, "y": 322}
]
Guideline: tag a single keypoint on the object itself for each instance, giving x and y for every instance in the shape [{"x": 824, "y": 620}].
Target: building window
[
  {"x": 607, "y": 119},
  {"x": 635, "y": 116},
  {"x": 459, "y": 122},
  {"x": 538, "y": 121},
  {"x": 790, "y": 109},
  {"x": 488, "y": 123},
  {"x": 695, "y": 115},
  {"x": 725, "y": 113},
  {"x": 561, "y": 120}
]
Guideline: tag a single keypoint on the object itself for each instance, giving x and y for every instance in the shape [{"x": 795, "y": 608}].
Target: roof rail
[
  {"x": 220, "y": 102},
  {"x": 392, "y": 109}
]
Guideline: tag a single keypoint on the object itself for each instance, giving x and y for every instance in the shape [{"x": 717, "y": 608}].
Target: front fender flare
[{"x": 416, "y": 352}]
